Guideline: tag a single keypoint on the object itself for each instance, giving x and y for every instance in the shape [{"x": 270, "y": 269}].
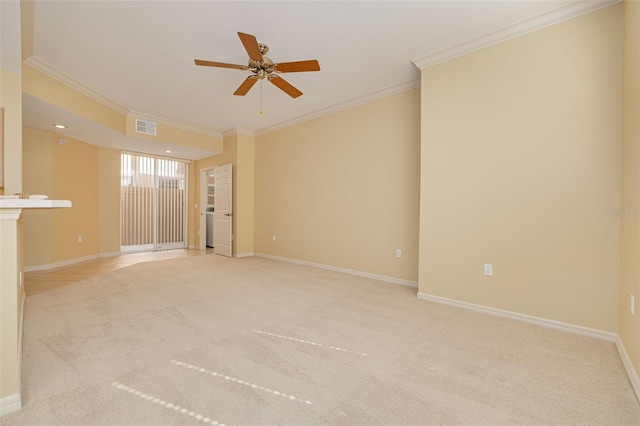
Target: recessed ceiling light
[
  {"x": 168, "y": 151},
  {"x": 59, "y": 126}
]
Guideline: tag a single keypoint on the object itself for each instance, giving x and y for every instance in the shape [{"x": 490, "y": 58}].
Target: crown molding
[
  {"x": 42, "y": 67},
  {"x": 389, "y": 91},
  {"x": 38, "y": 65},
  {"x": 170, "y": 123},
  {"x": 572, "y": 10},
  {"x": 238, "y": 131}
]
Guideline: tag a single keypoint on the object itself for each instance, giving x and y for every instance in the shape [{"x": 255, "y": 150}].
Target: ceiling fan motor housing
[{"x": 262, "y": 68}]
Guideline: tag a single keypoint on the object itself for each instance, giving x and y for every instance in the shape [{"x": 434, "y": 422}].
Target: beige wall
[
  {"x": 75, "y": 178},
  {"x": 520, "y": 160},
  {"x": 342, "y": 190},
  {"x": 629, "y": 325},
  {"x": 244, "y": 209},
  {"x": 37, "y": 149},
  {"x": 64, "y": 172}
]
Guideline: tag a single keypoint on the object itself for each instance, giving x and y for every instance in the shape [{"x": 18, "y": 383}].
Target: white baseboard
[
  {"x": 68, "y": 262},
  {"x": 557, "y": 325},
  {"x": 628, "y": 365},
  {"x": 10, "y": 404},
  {"x": 60, "y": 264},
  {"x": 20, "y": 332},
  {"x": 241, "y": 255},
  {"x": 384, "y": 278}
]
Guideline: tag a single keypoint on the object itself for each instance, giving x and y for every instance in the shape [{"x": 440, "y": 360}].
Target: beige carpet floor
[{"x": 212, "y": 340}]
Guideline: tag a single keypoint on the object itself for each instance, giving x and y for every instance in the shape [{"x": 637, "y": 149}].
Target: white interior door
[{"x": 223, "y": 215}]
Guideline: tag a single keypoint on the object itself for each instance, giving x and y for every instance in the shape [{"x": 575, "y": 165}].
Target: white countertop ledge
[{"x": 31, "y": 203}]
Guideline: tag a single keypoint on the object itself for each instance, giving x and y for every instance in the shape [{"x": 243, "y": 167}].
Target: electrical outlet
[
  {"x": 488, "y": 269},
  {"x": 273, "y": 238},
  {"x": 79, "y": 238},
  {"x": 398, "y": 252},
  {"x": 633, "y": 305}
]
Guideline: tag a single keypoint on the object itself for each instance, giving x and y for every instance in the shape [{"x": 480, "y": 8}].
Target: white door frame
[{"x": 202, "y": 232}]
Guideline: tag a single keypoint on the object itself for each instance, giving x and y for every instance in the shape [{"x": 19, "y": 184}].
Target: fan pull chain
[{"x": 260, "y": 112}]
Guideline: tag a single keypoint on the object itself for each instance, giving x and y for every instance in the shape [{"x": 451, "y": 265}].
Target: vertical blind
[{"x": 152, "y": 203}]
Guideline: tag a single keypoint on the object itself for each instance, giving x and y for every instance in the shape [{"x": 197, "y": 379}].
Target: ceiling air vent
[{"x": 146, "y": 127}]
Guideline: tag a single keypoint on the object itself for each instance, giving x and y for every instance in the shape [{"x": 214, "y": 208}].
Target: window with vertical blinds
[{"x": 152, "y": 203}]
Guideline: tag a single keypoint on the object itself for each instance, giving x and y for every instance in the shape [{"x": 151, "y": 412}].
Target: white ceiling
[
  {"x": 138, "y": 55},
  {"x": 9, "y": 33}
]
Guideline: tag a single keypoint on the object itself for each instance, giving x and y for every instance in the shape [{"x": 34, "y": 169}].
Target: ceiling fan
[{"x": 263, "y": 67}]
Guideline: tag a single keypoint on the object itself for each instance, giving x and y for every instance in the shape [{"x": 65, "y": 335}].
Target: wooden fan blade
[
  {"x": 251, "y": 46},
  {"x": 220, "y": 64},
  {"x": 246, "y": 85},
  {"x": 286, "y": 87},
  {"x": 299, "y": 66}
]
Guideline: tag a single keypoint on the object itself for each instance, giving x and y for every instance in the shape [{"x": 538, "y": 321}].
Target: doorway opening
[
  {"x": 210, "y": 181},
  {"x": 216, "y": 209}
]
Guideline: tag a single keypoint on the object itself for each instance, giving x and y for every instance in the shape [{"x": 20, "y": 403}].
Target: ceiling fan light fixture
[{"x": 263, "y": 67}]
